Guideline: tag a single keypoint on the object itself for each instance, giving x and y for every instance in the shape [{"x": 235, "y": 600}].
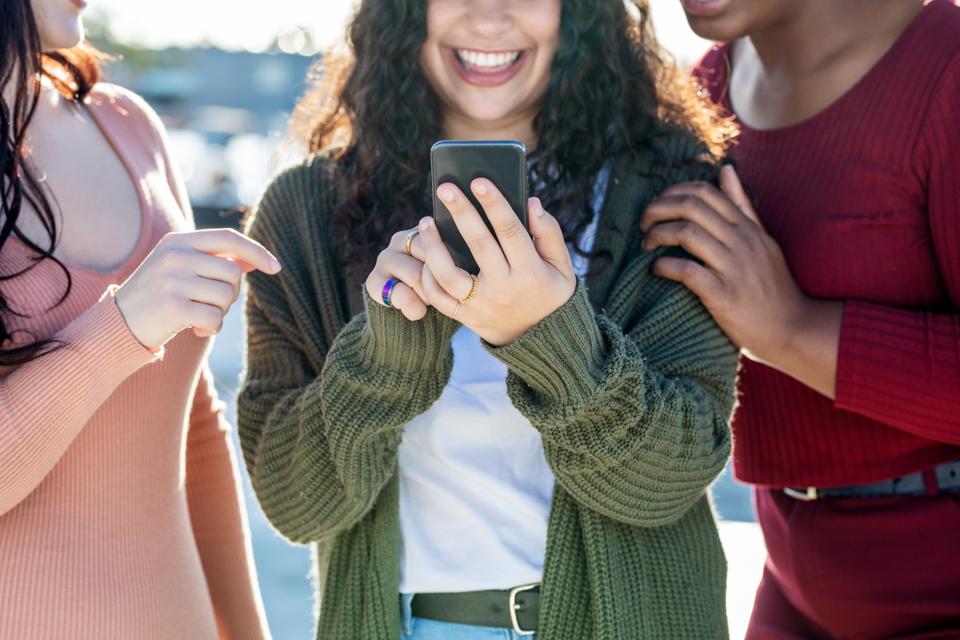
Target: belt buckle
[
  {"x": 514, "y": 607},
  {"x": 807, "y": 496}
]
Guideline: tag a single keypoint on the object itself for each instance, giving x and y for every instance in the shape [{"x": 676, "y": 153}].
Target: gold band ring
[
  {"x": 474, "y": 289},
  {"x": 408, "y": 245}
]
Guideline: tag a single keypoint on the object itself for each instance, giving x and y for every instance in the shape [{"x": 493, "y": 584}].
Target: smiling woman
[
  {"x": 557, "y": 95},
  {"x": 481, "y": 455},
  {"x": 485, "y": 69}
]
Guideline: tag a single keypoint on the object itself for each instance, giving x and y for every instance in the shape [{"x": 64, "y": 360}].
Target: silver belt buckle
[
  {"x": 807, "y": 496},
  {"x": 514, "y": 607}
]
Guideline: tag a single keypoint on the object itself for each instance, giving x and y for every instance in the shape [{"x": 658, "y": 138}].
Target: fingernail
[
  {"x": 536, "y": 206},
  {"x": 276, "y": 264},
  {"x": 446, "y": 194},
  {"x": 480, "y": 187},
  {"x": 425, "y": 225}
]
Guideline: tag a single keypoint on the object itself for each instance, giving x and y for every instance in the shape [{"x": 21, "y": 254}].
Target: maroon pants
[{"x": 859, "y": 568}]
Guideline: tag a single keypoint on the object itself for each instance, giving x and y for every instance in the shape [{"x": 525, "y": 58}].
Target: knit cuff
[
  {"x": 103, "y": 334},
  {"x": 391, "y": 340},
  {"x": 560, "y": 358},
  {"x": 115, "y": 324}
]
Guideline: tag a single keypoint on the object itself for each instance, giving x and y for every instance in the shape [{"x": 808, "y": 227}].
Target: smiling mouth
[
  {"x": 485, "y": 61},
  {"x": 705, "y": 8}
]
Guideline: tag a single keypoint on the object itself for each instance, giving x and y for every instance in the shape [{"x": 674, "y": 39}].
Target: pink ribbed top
[{"x": 120, "y": 513}]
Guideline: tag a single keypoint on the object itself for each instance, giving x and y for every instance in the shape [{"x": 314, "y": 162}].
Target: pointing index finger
[{"x": 228, "y": 243}]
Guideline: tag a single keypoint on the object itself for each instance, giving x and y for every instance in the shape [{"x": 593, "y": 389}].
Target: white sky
[{"x": 237, "y": 25}]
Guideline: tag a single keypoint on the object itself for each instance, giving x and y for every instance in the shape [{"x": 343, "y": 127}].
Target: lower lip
[
  {"x": 705, "y": 8},
  {"x": 487, "y": 79},
  {"x": 79, "y": 4}
]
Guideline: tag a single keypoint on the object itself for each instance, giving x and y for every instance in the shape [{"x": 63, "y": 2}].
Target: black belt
[
  {"x": 517, "y": 609},
  {"x": 945, "y": 478}
]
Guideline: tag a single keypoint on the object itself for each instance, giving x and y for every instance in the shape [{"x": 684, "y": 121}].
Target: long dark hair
[
  {"x": 23, "y": 64},
  {"x": 612, "y": 90}
]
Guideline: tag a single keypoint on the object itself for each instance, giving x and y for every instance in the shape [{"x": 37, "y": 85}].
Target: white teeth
[{"x": 487, "y": 60}]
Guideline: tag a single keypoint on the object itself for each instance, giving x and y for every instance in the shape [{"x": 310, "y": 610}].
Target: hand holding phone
[
  {"x": 521, "y": 279},
  {"x": 484, "y": 260}
]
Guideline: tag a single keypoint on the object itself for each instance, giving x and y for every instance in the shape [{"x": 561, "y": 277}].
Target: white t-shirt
[{"x": 475, "y": 488}]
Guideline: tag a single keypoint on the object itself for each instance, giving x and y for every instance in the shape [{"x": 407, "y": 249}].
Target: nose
[{"x": 490, "y": 18}]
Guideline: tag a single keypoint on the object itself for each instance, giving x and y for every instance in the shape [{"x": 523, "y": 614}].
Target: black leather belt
[
  {"x": 517, "y": 609},
  {"x": 945, "y": 477}
]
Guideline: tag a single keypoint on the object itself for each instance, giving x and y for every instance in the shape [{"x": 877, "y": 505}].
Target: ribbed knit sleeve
[
  {"x": 45, "y": 403},
  {"x": 632, "y": 404},
  {"x": 902, "y": 367},
  {"x": 323, "y": 404},
  {"x": 219, "y": 518}
]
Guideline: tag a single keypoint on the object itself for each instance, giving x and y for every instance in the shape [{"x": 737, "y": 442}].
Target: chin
[
  {"x": 481, "y": 106},
  {"x": 728, "y": 20},
  {"x": 67, "y": 35},
  {"x": 493, "y": 115},
  {"x": 716, "y": 29}
]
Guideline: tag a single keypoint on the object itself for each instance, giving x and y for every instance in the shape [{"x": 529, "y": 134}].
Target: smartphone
[{"x": 503, "y": 162}]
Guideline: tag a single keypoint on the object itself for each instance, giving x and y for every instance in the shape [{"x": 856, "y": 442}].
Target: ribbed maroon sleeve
[
  {"x": 900, "y": 367},
  {"x": 864, "y": 200}
]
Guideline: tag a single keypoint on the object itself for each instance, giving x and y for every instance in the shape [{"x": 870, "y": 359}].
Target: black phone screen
[{"x": 503, "y": 162}]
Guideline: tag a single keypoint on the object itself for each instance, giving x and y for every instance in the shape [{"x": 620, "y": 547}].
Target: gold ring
[
  {"x": 408, "y": 245},
  {"x": 474, "y": 289},
  {"x": 455, "y": 312}
]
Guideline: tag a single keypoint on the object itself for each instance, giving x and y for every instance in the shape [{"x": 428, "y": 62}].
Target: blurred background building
[{"x": 224, "y": 77}]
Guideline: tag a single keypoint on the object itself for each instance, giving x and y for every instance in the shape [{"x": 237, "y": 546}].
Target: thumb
[
  {"x": 733, "y": 188},
  {"x": 548, "y": 238}
]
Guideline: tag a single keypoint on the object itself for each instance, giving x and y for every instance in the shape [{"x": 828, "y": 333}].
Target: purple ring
[{"x": 387, "y": 292}]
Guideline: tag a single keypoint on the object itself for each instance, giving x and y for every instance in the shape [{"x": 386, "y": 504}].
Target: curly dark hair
[
  {"x": 612, "y": 90},
  {"x": 23, "y": 63}
]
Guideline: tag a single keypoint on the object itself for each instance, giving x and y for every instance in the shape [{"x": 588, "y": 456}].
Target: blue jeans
[{"x": 421, "y": 629}]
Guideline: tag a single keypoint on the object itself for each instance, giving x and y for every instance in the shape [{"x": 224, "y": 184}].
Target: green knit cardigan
[{"x": 630, "y": 384}]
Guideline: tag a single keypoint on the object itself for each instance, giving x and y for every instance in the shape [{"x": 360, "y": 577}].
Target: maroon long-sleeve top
[{"x": 864, "y": 200}]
